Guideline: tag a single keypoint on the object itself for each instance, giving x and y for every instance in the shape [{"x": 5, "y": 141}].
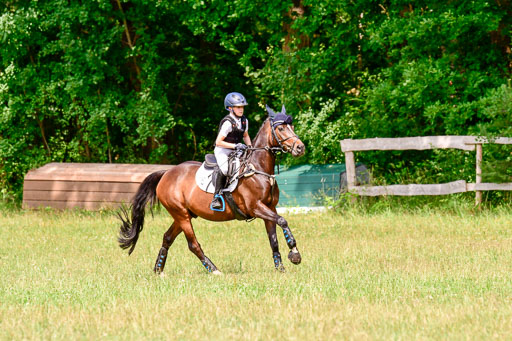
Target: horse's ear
[
  {"x": 283, "y": 110},
  {"x": 271, "y": 112}
]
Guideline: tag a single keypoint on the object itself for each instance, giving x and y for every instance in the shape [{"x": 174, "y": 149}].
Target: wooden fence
[
  {"x": 85, "y": 185},
  {"x": 468, "y": 143}
]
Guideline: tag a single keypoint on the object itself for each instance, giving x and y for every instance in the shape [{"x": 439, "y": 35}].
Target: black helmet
[{"x": 234, "y": 99}]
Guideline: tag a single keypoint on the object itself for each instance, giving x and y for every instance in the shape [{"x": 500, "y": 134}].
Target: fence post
[
  {"x": 350, "y": 166},
  {"x": 478, "y": 194}
]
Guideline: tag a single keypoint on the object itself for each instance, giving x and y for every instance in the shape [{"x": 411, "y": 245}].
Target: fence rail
[{"x": 467, "y": 143}]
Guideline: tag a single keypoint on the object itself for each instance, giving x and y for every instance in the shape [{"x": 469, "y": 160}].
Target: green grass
[{"x": 386, "y": 275}]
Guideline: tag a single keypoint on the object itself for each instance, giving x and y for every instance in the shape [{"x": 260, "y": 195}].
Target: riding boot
[{"x": 220, "y": 181}]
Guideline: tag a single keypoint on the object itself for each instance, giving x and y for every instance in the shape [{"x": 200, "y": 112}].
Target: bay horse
[{"x": 256, "y": 196}]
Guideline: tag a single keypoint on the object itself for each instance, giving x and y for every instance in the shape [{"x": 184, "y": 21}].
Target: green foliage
[
  {"x": 497, "y": 106},
  {"x": 144, "y": 81},
  {"x": 320, "y": 145}
]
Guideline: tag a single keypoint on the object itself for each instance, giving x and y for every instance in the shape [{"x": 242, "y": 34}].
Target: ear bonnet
[{"x": 279, "y": 118}]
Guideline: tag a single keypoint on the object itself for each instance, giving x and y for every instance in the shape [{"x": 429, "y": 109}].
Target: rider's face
[{"x": 239, "y": 111}]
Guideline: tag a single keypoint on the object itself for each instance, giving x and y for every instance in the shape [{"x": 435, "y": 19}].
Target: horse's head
[{"x": 283, "y": 133}]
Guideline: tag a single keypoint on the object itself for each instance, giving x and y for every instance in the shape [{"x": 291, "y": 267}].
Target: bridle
[
  {"x": 280, "y": 141},
  {"x": 273, "y": 150},
  {"x": 281, "y": 148},
  {"x": 249, "y": 169}
]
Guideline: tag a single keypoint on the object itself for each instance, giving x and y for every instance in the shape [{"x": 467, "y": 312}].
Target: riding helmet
[{"x": 234, "y": 99}]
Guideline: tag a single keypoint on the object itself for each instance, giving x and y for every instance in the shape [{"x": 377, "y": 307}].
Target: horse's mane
[{"x": 260, "y": 130}]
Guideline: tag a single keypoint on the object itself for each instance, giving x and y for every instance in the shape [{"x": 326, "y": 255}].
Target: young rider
[{"x": 233, "y": 129}]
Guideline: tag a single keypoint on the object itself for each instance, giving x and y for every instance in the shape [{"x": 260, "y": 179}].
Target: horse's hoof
[
  {"x": 159, "y": 272},
  {"x": 280, "y": 268},
  {"x": 162, "y": 275},
  {"x": 216, "y": 272},
  {"x": 294, "y": 256}
]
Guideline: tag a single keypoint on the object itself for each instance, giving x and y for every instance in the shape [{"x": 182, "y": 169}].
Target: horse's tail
[{"x": 129, "y": 232}]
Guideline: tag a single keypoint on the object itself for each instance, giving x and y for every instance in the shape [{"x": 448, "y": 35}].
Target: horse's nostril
[{"x": 299, "y": 149}]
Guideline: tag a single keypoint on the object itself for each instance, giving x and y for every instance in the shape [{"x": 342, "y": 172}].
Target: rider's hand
[{"x": 240, "y": 147}]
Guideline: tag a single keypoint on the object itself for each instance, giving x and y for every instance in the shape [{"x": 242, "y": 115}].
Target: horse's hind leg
[
  {"x": 169, "y": 238},
  {"x": 195, "y": 247},
  {"x": 274, "y": 245}
]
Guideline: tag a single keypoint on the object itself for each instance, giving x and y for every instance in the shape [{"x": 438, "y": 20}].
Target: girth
[{"x": 239, "y": 215}]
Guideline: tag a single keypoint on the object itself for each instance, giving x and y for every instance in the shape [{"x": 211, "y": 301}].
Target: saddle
[
  {"x": 209, "y": 169},
  {"x": 210, "y": 161},
  {"x": 205, "y": 180}
]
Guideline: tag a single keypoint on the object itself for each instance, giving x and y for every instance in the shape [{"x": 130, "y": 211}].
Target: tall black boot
[{"x": 220, "y": 181}]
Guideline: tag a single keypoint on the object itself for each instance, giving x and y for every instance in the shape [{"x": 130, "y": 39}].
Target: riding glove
[{"x": 240, "y": 147}]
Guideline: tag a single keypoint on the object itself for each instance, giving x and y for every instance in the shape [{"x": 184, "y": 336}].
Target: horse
[{"x": 256, "y": 196}]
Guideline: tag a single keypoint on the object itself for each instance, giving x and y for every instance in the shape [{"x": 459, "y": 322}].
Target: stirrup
[{"x": 223, "y": 204}]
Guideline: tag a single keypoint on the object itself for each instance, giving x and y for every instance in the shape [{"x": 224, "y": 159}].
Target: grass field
[{"x": 423, "y": 275}]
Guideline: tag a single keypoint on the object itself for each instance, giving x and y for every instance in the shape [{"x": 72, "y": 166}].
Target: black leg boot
[{"x": 220, "y": 180}]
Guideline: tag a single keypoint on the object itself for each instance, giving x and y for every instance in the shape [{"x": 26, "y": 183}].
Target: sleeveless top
[{"x": 236, "y": 135}]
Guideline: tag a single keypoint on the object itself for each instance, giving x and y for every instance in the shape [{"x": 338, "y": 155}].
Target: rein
[{"x": 248, "y": 168}]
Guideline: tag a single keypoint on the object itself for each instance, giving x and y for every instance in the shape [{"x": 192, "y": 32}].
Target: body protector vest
[{"x": 236, "y": 135}]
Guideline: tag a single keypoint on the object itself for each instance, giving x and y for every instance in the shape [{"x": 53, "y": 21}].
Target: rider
[{"x": 233, "y": 129}]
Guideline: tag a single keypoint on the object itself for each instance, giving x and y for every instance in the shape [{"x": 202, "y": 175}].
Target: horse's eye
[{"x": 280, "y": 128}]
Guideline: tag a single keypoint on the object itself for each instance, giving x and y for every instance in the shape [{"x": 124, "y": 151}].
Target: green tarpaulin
[{"x": 309, "y": 185}]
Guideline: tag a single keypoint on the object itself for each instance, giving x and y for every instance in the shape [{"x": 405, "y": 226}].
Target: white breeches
[{"x": 221, "y": 154}]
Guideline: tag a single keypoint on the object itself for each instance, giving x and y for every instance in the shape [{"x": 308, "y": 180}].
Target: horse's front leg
[
  {"x": 274, "y": 245},
  {"x": 265, "y": 213}
]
